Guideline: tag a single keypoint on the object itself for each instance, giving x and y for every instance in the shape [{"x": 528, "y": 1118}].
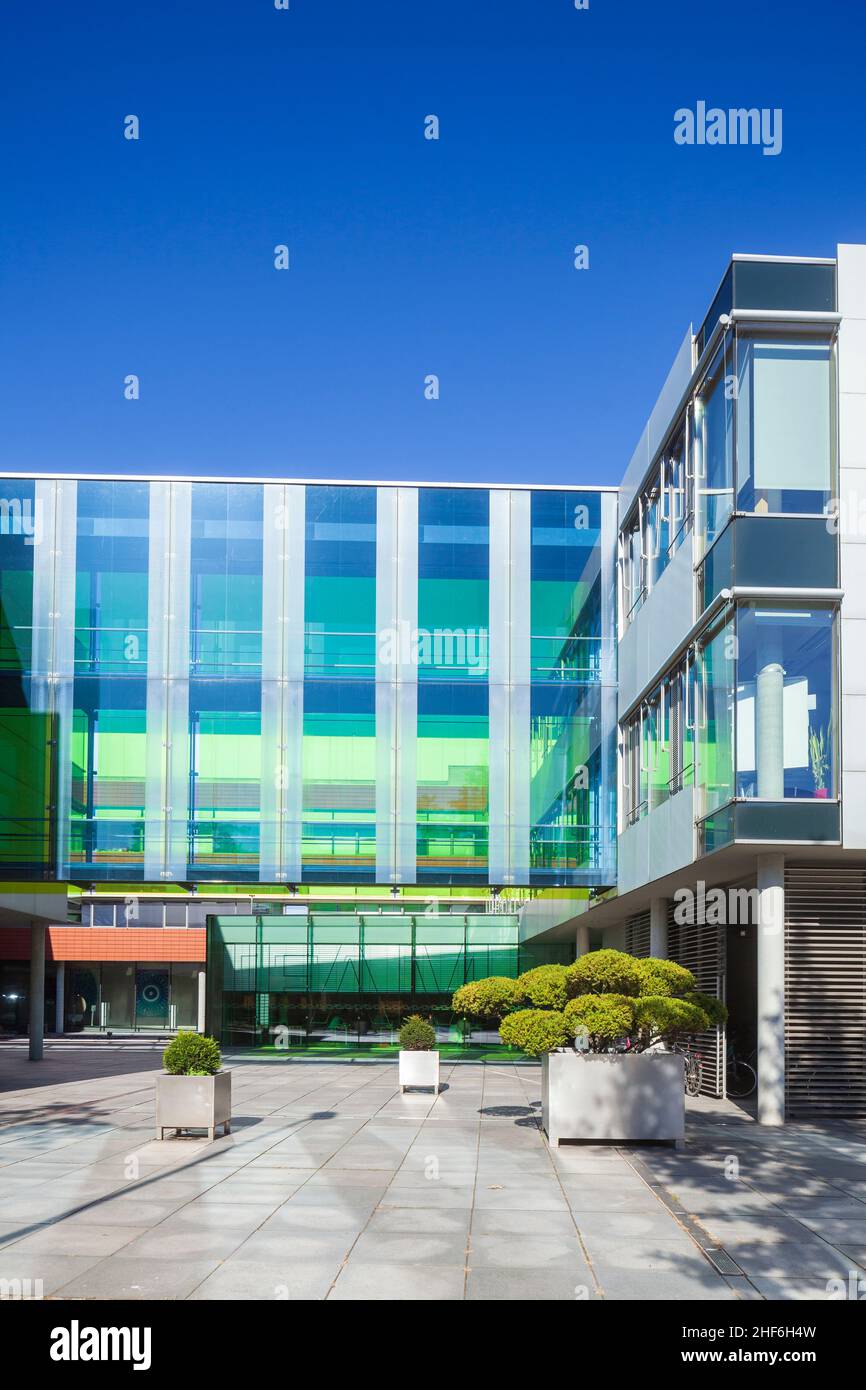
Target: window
[
  {"x": 657, "y": 527},
  {"x": 634, "y": 790},
  {"x": 712, "y": 445},
  {"x": 633, "y": 578},
  {"x": 715, "y": 717},
  {"x": 658, "y": 744},
  {"x": 785, "y": 703},
  {"x": 677, "y": 486},
  {"x": 785, "y": 423}
]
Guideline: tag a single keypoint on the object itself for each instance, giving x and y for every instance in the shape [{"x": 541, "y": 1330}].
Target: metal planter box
[
  {"x": 194, "y": 1102},
  {"x": 613, "y": 1097},
  {"x": 419, "y": 1069}
]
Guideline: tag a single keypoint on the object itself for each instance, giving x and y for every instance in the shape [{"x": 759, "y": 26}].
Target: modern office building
[{"x": 306, "y": 756}]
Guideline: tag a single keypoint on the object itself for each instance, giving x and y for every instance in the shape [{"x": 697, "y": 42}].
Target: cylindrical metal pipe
[
  {"x": 769, "y": 732},
  {"x": 771, "y": 989},
  {"x": 37, "y": 990},
  {"x": 59, "y": 996}
]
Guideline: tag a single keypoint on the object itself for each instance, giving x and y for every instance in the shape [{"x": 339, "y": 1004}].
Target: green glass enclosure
[
  {"x": 307, "y": 683},
  {"x": 337, "y": 978}
]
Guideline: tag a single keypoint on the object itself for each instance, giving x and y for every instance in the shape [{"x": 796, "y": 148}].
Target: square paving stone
[{"x": 380, "y": 1281}]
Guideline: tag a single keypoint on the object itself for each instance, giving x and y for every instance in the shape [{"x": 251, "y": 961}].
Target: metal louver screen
[
  {"x": 825, "y": 991},
  {"x": 701, "y": 949},
  {"x": 637, "y": 935}
]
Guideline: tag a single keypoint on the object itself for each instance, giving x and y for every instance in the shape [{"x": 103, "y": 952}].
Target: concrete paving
[{"x": 333, "y": 1185}]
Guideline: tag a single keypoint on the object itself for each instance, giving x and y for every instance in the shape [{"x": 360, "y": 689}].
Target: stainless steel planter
[
  {"x": 613, "y": 1097},
  {"x": 419, "y": 1069},
  {"x": 194, "y": 1102}
]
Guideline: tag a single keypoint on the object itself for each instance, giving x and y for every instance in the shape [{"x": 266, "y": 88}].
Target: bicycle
[
  {"x": 693, "y": 1067},
  {"x": 741, "y": 1078},
  {"x": 693, "y": 1070}
]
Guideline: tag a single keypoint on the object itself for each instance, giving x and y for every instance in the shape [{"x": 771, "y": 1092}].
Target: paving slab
[{"x": 332, "y": 1185}]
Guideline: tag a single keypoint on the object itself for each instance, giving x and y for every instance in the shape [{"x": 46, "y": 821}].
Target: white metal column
[
  {"x": 396, "y": 684},
  {"x": 771, "y": 989},
  {"x": 282, "y": 774},
  {"x": 59, "y": 996},
  {"x": 167, "y": 744},
  {"x": 510, "y": 686},
  {"x": 658, "y": 945}
]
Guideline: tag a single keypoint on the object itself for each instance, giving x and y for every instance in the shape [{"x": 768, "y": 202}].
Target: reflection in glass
[
  {"x": 715, "y": 731},
  {"x": 712, "y": 445},
  {"x": 785, "y": 703},
  {"x": 785, "y": 423}
]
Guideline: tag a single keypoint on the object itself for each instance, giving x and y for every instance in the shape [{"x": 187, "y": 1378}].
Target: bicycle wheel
[{"x": 741, "y": 1080}]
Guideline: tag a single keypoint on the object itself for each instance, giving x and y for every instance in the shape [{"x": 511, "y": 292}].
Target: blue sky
[{"x": 408, "y": 256}]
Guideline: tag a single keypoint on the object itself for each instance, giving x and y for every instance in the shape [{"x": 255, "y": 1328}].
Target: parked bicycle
[
  {"x": 741, "y": 1078},
  {"x": 693, "y": 1068}
]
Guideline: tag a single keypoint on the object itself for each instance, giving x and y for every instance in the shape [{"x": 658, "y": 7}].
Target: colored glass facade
[
  {"x": 307, "y": 683},
  {"x": 337, "y": 978}
]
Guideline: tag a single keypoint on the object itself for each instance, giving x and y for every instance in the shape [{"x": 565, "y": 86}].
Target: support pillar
[
  {"x": 59, "y": 996},
  {"x": 37, "y": 990},
  {"x": 202, "y": 998},
  {"x": 659, "y": 928},
  {"x": 582, "y": 938},
  {"x": 771, "y": 989}
]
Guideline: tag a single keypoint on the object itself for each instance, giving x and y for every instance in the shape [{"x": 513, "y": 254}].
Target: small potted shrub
[
  {"x": 193, "y": 1092},
  {"x": 604, "y": 1028},
  {"x": 419, "y": 1060}
]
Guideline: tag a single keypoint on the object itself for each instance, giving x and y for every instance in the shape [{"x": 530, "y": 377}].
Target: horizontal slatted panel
[
  {"x": 701, "y": 949},
  {"x": 825, "y": 991},
  {"x": 637, "y": 935}
]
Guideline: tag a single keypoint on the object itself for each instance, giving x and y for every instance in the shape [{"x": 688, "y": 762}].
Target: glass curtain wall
[
  {"x": 786, "y": 422},
  {"x": 225, "y": 691},
  {"x": 786, "y": 702},
  {"x": 27, "y": 825},
  {"x": 453, "y": 668},
  {"x": 109, "y": 702},
  {"x": 571, "y": 824},
  {"x": 716, "y": 679},
  {"x": 323, "y": 684},
  {"x": 339, "y": 707},
  {"x": 712, "y": 443},
  {"x": 342, "y": 978}
]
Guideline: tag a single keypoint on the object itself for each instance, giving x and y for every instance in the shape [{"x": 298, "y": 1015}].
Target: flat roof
[{"x": 321, "y": 482}]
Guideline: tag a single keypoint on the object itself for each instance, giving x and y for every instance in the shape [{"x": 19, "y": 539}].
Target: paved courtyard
[{"x": 334, "y": 1185}]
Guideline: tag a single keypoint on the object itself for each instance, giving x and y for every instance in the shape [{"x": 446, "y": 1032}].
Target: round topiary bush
[
  {"x": 604, "y": 972},
  {"x": 601, "y": 1018},
  {"x": 665, "y": 977},
  {"x": 189, "y": 1054},
  {"x": 714, "y": 1009},
  {"x": 417, "y": 1035},
  {"x": 660, "y": 1018},
  {"x": 535, "y": 1031},
  {"x": 492, "y": 998},
  {"x": 543, "y": 987}
]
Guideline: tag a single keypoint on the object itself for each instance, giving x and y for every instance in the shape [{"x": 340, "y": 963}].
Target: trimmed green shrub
[
  {"x": 665, "y": 977},
  {"x": 714, "y": 1009},
  {"x": 604, "y": 972},
  {"x": 662, "y": 1019},
  {"x": 189, "y": 1054},
  {"x": 491, "y": 998},
  {"x": 600, "y": 1017},
  {"x": 543, "y": 987},
  {"x": 417, "y": 1035},
  {"x": 535, "y": 1031}
]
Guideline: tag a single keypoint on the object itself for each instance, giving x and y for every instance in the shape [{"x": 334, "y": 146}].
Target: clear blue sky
[{"x": 408, "y": 256}]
